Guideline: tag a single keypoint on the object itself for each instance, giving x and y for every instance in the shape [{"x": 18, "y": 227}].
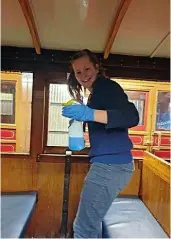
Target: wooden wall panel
[
  {"x": 16, "y": 175},
  {"x": 48, "y": 181},
  {"x": 47, "y": 216},
  {"x": 78, "y": 174},
  {"x": 155, "y": 189},
  {"x": 37, "y": 115}
]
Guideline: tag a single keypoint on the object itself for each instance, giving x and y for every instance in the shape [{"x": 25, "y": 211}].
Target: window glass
[
  {"x": 7, "y": 98},
  {"x": 57, "y": 124},
  {"x": 163, "y": 111},
  {"x": 16, "y": 105},
  {"x": 138, "y": 98}
]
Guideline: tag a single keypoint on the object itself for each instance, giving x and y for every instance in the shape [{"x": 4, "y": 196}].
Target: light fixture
[{"x": 83, "y": 9}]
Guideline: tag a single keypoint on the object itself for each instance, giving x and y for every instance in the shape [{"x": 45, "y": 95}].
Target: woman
[{"x": 109, "y": 115}]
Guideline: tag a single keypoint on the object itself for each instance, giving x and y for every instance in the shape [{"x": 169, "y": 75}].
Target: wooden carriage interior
[{"x": 132, "y": 40}]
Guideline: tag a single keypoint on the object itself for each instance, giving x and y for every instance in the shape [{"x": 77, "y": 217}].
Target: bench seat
[
  {"x": 128, "y": 217},
  {"x": 16, "y": 211}
]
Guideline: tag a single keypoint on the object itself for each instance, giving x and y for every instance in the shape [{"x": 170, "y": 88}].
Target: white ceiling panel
[
  {"x": 14, "y": 29},
  {"x": 67, "y": 25},
  {"x": 143, "y": 27}
]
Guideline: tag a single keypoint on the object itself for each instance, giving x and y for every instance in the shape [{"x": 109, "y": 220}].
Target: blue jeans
[{"x": 102, "y": 184}]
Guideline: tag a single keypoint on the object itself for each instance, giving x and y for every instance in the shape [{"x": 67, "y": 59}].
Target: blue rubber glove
[{"x": 78, "y": 112}]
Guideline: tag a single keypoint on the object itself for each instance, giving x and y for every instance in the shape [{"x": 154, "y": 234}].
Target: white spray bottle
[{"x": 75, "y": 132}]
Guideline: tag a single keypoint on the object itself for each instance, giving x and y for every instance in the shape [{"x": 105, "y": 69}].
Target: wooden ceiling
[{"x": 129, "y": 27}]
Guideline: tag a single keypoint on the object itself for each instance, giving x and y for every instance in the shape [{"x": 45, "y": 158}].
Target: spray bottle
[{"x": 75, "y": 132}]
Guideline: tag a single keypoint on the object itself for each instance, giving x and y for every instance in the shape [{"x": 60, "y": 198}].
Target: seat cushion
[
  {"x": 16, "y": 210},
  {"x": 130, "y": 218}
]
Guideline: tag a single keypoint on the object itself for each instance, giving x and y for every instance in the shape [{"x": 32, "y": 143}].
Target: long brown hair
[{"x": 74, "y": 86}]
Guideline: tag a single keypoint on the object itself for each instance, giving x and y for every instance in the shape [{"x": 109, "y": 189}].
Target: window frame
[
  {"x": 16, "y": 76},
  {"x": 158, "y": 91},
  {"x": 54, "y": 149},
  {"x": 46, "y": 148},
  {"x": 145, "y": 112}
]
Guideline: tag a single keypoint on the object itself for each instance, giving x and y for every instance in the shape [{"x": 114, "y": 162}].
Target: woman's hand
[{"x": 78, "y": 112}]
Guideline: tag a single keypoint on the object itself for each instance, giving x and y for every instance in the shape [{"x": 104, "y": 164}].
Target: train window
[
  {"x": 16, "y": 104},
  {"x": 57, "y": 124},
  {"x": 138, "y": 98},
  {"x": 163, "y": 121},
  {"x": 7, "y": 98}
]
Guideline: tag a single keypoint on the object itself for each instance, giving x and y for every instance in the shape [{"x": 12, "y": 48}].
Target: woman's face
[{"x": 85, "y": 71}]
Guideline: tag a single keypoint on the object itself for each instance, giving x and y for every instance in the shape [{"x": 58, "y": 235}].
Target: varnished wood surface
[
  {"x": 159, "y": 166},
  {"x": 155, "y": 189},
  {"x": 16, "y": 174},
  {"x": 78, "y": 174},
  {"x": 47, "y": 178},
  {"x": 46, "y": 219}
]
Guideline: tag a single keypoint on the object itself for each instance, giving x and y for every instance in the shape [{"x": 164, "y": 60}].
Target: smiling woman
[
  {"x": 85, "y": 67},
  {"x": 85, "y": 72},
  {"x": 39, "y": 37},
  {"x": 110, "y": 147}
]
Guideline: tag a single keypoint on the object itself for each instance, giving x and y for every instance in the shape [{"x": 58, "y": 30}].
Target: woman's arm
[
  {"x": 100, "y": 116},
  {"x": 126, "y": 118},
  {"x": 119, "y": 118},
  {"x": 118, "y": 111}
]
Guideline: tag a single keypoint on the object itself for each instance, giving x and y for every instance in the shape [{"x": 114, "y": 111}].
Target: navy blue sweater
[{"x": 110, "y": 143}]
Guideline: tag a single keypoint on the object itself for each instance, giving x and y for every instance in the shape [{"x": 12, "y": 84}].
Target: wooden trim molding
[
  {"x": 26, "y": 9},
  {"x": 122, "y": 66},
  {"x": 118, "y": 20}
]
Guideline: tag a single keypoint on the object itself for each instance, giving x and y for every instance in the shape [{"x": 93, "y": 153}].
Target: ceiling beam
[
  {"x": 159, "y": 45},
  {"x": 117, "y": 22},
  {"x": 26, "y": 9},
  {"x": 120, "y": 66}
]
